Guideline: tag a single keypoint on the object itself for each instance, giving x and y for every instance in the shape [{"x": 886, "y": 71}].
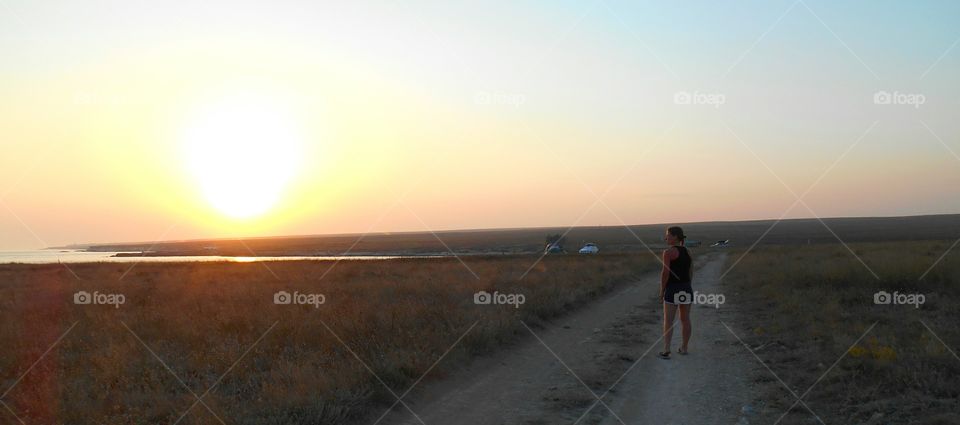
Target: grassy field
[
  {"x": 803, "y": 307},
  {"x": 214, "y": 331},
  {"x": 200, "y": 319}
]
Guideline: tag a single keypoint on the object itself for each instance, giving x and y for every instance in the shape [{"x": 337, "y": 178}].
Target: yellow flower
[
  {"x": 884, "y": 353},
  {"x": 858, "y": 351}
]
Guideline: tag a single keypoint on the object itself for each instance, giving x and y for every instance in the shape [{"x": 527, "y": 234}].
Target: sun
[{"x": 242, "y": 150}]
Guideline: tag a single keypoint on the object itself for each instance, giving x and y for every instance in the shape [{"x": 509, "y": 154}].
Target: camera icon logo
[
  {"x": 482, "y": 98},
  {"x": 882, "y": 98},
  {"x": 682, "y": 297},
  {"x": 282, "y": 297},
  {"x": 882, "y": 297},
  {"x": 482, "y": 297},
  {"x": 682, "y": 98},
  {"x": 82, "y": 297}
]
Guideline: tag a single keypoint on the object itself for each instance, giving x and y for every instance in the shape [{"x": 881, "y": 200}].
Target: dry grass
[
  {"x": 808, "y": 304},
  {"x": 399, "y": 316}
]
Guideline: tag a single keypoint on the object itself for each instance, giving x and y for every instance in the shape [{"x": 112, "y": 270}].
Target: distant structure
[{"x": 691, "y": 243}]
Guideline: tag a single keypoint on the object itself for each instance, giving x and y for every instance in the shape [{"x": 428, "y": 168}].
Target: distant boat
[{"x": 721, "y": 244}]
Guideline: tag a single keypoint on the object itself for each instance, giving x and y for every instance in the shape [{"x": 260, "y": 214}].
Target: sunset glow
[
  {"x": 243, "y": 150},
  {"x": 252, "y": 119}
]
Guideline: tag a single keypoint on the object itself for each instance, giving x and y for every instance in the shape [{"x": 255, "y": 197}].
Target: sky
[{"x": 140, "y": 121}]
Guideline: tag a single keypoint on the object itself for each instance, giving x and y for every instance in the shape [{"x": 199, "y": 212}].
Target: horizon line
[{"x": 481, "y": 229}]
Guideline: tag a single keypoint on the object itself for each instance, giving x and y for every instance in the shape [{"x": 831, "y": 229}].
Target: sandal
[
  {"x": 682, "y": 351},
  {"x": 664, "y": 355}
]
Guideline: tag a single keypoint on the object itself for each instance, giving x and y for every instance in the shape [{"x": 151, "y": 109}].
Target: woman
[{"x": 675, "y": 290}]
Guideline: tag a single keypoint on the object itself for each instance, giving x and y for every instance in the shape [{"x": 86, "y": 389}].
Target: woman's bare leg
[
  {"x": 685, "y": 324},
  {"x": 669, "y": 312}
]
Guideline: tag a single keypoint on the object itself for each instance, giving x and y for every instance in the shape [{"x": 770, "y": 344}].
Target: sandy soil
[{"x": 599, "y": 366}]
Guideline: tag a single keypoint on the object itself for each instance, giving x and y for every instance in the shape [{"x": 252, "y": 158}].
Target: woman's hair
[{"x": 677, "y": 232}]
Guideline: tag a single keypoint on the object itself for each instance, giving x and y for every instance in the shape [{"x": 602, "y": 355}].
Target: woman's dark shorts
[{"x": 678, "y": 293}]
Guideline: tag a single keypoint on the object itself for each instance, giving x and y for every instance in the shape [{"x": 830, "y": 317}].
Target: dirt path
[
  {"x": 709, "y": 386},
  {"x": 607, "y": 351}
]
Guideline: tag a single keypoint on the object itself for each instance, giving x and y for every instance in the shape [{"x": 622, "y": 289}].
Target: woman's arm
[{"x": 665, "y": 272}]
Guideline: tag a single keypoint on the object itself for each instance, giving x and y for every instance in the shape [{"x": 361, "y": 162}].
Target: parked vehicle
[
  {"x": 553, "y": 249},
  {"x": 589, "y": 248}
]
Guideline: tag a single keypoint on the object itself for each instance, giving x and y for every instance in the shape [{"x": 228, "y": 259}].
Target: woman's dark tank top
[{"x": 680, "y": 267}]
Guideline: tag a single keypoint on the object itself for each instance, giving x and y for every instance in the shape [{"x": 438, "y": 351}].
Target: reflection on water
[{"x": 51, "y": 256}]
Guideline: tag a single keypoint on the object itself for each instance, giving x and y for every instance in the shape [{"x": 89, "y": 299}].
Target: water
[{"x": 53, "y": 256}]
